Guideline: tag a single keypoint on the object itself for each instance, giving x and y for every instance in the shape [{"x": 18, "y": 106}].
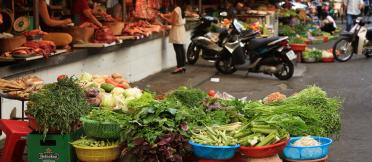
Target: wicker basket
[{"x": 96, "y": 129}]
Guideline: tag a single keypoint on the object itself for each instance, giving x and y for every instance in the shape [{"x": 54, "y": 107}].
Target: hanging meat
[
  {"x": 104, "y": 35},
  {"x": 147, "y": 9}
]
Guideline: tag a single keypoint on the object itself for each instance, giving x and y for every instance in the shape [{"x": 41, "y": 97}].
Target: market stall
[
  {"x": 118, "y": 47},
  {"x": 106, "y": 118},
  {"x": 305, "y": 27}
]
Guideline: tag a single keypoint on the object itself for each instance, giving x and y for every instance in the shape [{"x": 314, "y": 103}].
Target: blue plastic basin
[
  {"x": 307, "y": 152},
  {"x": 213, "y": 152}
]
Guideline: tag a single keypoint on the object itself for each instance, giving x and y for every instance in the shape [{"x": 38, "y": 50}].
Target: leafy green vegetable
[
  {"x": 89, "y": 142},
  {"x": 313, "y": 53},
  {"x": 296, "y": 40},
  {"x": 143, "y": 101},
  {"x": 190, "y": 97},
  {"x": 327, "y": 109},
  {"x": 108, "y": 116},
  {"x": 320, "y": 113},
  {"x": 58, "y": 106}
]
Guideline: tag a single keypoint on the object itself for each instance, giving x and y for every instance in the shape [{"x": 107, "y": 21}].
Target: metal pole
[
  {"x": 1, "y": 112},
  {"x": 200, "y": 7},
  {"x": 1, "y": 108},
  {"x": 36, "y": 14},
  {"x": 23, "y": 110},
  {"x": 124, "y": 10}
]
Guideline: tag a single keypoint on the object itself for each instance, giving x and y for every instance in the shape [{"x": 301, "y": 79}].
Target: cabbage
[
  {"x": 85, "y": 77},
  {"x": 117, "y": 91},
  {"x": 108, "y": 101},
  {"x": 132, "y": 93},
  {"x": 123, "y": 105}
]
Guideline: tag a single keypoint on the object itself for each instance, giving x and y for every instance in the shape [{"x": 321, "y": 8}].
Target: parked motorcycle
[
  {"x": 202, "y": 43},
  {"x": 357, "y": 41},
  {"x": 271, "y": 56}
]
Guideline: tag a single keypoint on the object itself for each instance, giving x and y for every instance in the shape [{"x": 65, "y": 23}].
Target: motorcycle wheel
[
  {"x": 287, "y": 70},
  {"x": 193, "y": 53},
  {"x": 225, "y": 66},
  {"x": 343, "y": 50}
]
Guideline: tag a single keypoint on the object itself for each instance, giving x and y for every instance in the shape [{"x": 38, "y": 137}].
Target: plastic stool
[{"x": 14, "y": 145}]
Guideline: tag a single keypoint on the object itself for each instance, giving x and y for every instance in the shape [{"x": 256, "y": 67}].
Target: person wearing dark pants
[
  {"x": 350, "y": 21},
  {"x": 328, "y": 24},
  {"x": 180, "y": 54},
  {"x": 177, "y": 35},
  {"x": 353, "y": 10}
]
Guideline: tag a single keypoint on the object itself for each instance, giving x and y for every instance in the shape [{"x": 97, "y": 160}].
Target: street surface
[{"x": 352, "y": 81}]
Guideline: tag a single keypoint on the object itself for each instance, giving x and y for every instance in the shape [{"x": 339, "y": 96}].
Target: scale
[{"x": 22, "y": 24}]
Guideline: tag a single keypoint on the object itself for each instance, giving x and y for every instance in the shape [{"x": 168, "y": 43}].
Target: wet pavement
[{"x": 352, "y": 81}]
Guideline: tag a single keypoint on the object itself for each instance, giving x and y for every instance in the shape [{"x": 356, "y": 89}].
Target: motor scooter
[
  {"x": 357, "y": 41},
  {"x": 272, "y": 56}
]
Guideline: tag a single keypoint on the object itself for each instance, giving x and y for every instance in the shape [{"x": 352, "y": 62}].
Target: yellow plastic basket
[{"x": 97, "y": 154}]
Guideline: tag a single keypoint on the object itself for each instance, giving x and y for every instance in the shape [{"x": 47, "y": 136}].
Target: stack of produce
[
  {"x": 223, "y": 135},
  {"x": 312, "y": 55},
  {"x": 109, "y": 92},
  {"x": 159, "y": 130},
  {"x": 103, "y": 124},
  {"x": 260, "y": 134},
  {"x": 88, "y": 149},
  {"x": 21, "y": 87},
  {"x": 57, "y": 107}
]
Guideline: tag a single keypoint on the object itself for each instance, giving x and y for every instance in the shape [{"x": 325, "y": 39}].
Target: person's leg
[
  {"x": 349, "y": 22},
  {"x": 183, "y": 55},
  {"x": 178, "y": 55}
]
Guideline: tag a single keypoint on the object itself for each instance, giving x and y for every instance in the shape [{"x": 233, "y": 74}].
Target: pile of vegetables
[
  {"x": 58, "y": 106},
  {"x": 312, "y": 53},
  {"x": 320, "y": 113},
  {"x": 107, "y": 116},
  {"x": 90, "y": 142},
  {"x": 159, "y": 130},
  {"x": 286, "y": 30},
  {"x": 287, "y": 13},
  {"x": 296, "y": 40},
  {"x": 262, "y": 133},
  {"x": 109, "y": 92},
  {"x": 217, "y": 135}
]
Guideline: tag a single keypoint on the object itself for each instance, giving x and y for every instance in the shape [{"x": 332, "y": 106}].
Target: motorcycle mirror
[{"x": 224, "y": 14}]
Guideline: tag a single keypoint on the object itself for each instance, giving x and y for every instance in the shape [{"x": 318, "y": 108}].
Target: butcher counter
[{"x": 135, "y": 59}]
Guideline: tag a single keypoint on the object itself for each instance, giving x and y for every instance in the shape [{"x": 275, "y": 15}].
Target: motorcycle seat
[
  {"x": 260, "y": 42},
  {"x": 247, "y": 35},
  {"x": 347, "y": 34}
]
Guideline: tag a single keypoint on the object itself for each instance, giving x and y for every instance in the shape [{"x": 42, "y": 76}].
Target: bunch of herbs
[{"x": 58, "y": 106}]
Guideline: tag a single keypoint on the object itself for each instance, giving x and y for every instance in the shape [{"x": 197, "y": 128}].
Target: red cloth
[{"x": 78, "y": 9}]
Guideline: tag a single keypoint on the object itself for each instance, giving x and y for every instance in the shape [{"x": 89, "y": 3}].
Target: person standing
[
  {"x": 177, "y": 35},
  {"x": 353, "y": 10},
  {"x": 366, "y": 7}
]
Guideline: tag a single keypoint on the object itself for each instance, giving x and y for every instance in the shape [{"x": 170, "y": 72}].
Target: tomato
[
  {"x": 60, "y": 77},
  {"x": 212, "y": 93}
]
